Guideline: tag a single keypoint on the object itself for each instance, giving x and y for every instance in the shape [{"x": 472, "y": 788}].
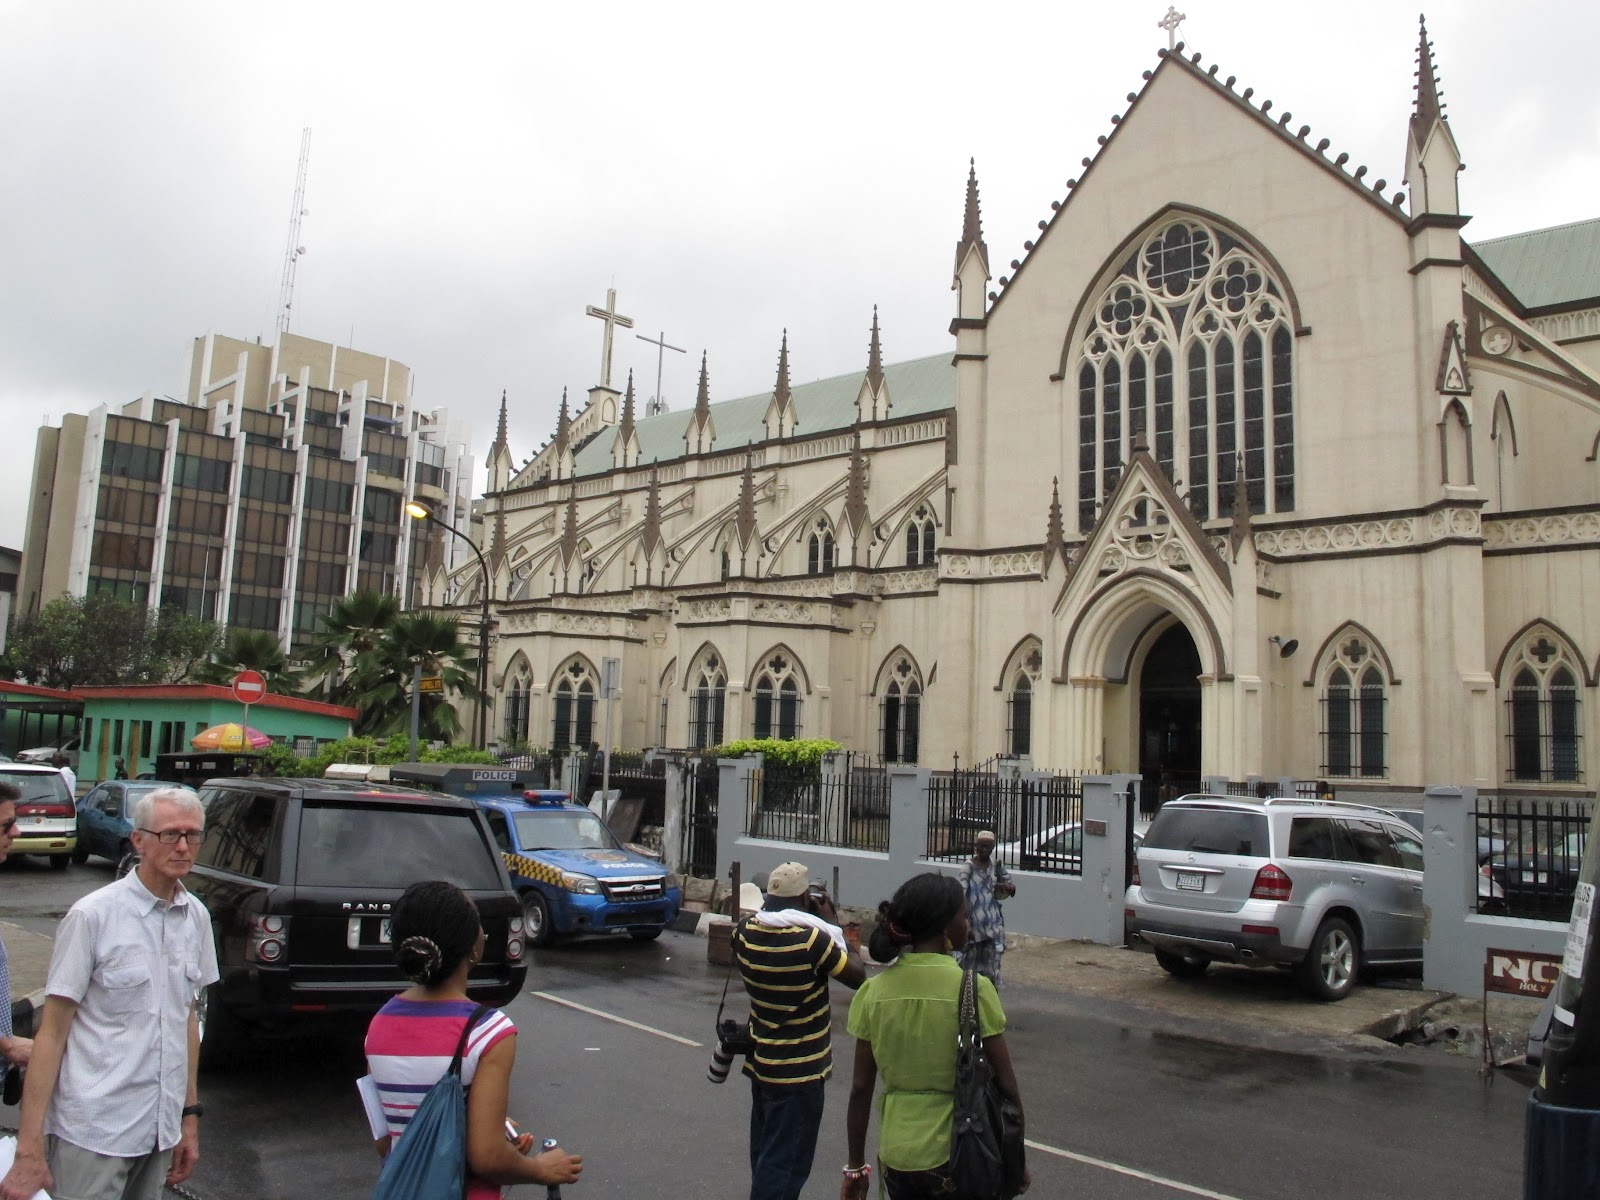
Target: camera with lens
[{"x": 733, "y": 1039}]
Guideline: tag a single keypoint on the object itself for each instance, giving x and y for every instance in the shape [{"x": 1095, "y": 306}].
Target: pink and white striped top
[{"x": 409, "y": 1047}]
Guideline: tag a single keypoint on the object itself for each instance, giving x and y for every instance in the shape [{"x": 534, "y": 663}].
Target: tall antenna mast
[{"x": 293, "y": 251}]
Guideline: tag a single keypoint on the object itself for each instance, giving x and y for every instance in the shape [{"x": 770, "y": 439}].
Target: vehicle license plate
[
  {"x": 368, "y": 931},
  {"x": 1535, "y": 877},
  {"x": 1191, "y": 881}
]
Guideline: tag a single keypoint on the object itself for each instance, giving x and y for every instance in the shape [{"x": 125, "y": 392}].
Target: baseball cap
[
  {"x": 984, "y": 835},
  {"x": 789, "y": 879}
]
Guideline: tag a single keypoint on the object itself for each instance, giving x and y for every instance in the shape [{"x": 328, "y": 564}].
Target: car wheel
[
  {"x": 1183, "y": 966},
  {"x": 80, "y": 853},
  {"x": 221, "y": 1036},
  {"x": 645, "y": 935},
  {"x": 1329, "y": 969},
  {"x": 127, "y": 860},
  {"x": 58, "y": 862},
  {"x": 536, "y": 919}
]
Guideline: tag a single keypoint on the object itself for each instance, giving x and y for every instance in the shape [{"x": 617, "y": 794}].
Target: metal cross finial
[
  {"x": 612, "y": 318},
  {"x": 1170, "y": 23},
  {"x": 657, "y": 405}
]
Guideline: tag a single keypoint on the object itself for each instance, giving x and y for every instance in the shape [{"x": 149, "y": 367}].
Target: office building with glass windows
[{"x": 270, "y": 490}]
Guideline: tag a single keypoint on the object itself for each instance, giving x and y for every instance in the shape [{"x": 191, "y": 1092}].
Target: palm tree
[
  {"x": 252, "y": 650},
  {"x": 351, "y": 631},
  {"x": 380, "y": 684}
]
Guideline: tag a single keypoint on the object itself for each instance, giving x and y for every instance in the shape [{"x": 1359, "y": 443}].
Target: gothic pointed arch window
[
  {"x": 1021, "y": 682},
  {"x": 1543, "y": 737},
  {"x": 1192, "y": 342},
  {"x": 1455, "y": 446},
  {"x": 820, "y": 548},
  {"x": 572, "y": 722},
  {"x": 518, "y": 701},
  {"x": 900, "y": 713},
  {"x": 777, "y": 700},
  {"x": 1503, "y": 438},
  {"x": 1355, "y": 713},
  {"x": 707, "y": 696},
  {"x": 920, "y": 538}
]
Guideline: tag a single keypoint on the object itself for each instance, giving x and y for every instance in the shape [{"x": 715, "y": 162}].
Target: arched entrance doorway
[{"x": 1169, "y": 715}]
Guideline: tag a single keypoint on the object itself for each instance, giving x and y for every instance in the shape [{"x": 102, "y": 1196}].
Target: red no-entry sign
[{"x": 249, "y": 687}]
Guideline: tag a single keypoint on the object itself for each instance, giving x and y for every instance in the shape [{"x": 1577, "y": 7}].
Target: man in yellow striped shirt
[{"x": 787, "y": 953}]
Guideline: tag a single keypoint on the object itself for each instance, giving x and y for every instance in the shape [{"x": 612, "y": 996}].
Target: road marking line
[
  {"x": 605, "y": 1016},
  {"x": 1132, "y": 1172}
]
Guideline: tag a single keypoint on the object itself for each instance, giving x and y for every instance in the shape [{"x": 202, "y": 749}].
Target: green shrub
[
  {"x": 393, "y": 749},
  {"x": 802, "y": 752}
]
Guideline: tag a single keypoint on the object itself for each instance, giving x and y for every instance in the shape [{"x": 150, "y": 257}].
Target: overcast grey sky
[{"x": 481, "y": 172}]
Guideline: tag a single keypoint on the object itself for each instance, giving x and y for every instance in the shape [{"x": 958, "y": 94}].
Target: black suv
[{"x": 299, "y": 876}]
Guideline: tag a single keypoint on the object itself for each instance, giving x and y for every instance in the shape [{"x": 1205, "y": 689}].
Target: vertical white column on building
[
  {"x": 158, "y": 556},
  {"x": 357, "y": 508},
  {"x": 291, "y": 561},
  {"x": 94, "y": 448},
  {"x": 230, "y": 530}
]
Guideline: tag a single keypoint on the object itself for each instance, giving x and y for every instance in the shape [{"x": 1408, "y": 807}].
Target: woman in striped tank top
[{"x": 437, "y": 941}]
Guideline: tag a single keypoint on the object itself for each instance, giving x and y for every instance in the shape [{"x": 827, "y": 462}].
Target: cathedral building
[{"x": 1250, "y": 466}]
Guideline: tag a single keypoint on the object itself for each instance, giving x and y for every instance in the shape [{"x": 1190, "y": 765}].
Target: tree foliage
[
  {"x": 393, "y": 749},
  {"x": 105, "y": 639},
  {"x": 252, "y": 650}
]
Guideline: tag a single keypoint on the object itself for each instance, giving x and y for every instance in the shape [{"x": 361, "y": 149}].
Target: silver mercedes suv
[{"x": 1322, "y": 887}]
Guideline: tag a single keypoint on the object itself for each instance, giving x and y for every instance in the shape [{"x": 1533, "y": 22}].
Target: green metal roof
[
  {"x": 923, "y": 385},
  {"x": 1548, "y": 266}
]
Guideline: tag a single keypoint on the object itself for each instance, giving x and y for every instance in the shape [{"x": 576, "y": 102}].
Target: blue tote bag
[{"x": 429, "y": 1161}]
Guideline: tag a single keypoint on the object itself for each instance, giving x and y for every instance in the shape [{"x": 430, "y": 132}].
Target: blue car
[
  {"x": 105, "y": 820},
  {"x": 572, "y": 873}
]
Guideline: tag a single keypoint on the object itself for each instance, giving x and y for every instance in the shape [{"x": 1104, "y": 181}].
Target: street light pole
[{"x": 418, "y": 511}]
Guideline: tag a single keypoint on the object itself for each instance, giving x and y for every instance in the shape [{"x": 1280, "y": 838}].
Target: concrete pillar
[
  {"x": 1107, "y": 805},
  {"x": 1449, "y": 886},
  {"x": 908, "y": 820},
  {"x": 674, "y": 801},
  {"x": 733, "y": 793}
]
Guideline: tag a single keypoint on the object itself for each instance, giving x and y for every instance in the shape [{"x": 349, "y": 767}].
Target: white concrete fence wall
[
  {"x": 1457, "y": 938},
  {"x": 1085, "y": 907}
]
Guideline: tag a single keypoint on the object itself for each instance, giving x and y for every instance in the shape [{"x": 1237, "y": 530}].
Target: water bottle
[{"x": 552, "y": 1191}]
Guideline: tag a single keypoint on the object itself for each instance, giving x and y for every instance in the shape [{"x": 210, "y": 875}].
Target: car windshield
[
  {"x": 1551, "y": 842},
  {"x": 378, "y": 846},
  {"x": 1209, "y": 831},
  {"x": 39, "y": 787},
  {"x": 563, "y": 830}
]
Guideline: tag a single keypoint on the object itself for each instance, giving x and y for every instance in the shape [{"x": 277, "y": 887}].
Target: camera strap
[{"x": 733, "y": 959}]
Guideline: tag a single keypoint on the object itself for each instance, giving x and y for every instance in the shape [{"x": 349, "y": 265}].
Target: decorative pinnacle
[
  {"x": 971, "y": 224},
  {"x": 875, "y": 355},
  {"x": 781, "y": 392},
  {"x": 702, "y": 396},
  {"x": 500, "y": 438},
  {"x": 562, "y": 424},
  {"x": 1429, "y": 108},
  {"x": 627, "y": 407}
]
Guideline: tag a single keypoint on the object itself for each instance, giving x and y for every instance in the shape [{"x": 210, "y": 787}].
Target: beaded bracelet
[{"x": 861, "y": 1172}]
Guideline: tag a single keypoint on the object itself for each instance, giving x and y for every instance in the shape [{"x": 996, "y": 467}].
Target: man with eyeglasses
[{"x": 110, "y": 1109}]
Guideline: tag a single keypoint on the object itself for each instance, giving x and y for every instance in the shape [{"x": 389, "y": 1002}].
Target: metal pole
[
  {"x": 610, "y": 668},
  {"x": 416, "y": 706},
  {"x": 483, "y": 661}
]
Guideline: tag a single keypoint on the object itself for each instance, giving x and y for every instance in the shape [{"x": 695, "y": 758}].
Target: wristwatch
[{"x": 194, "y": 1110}]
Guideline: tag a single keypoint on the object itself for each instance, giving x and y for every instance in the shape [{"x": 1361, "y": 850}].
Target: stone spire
[
  {"x": 501, "y": 467},
  {"x": 1432, "y": 157},
  {"x": 702, "y": 432},
  {"x": 855, "y": 491},
  {"x": 780, "y": 411},
  {"x": 872, "y": 402},
  {"x": 744, "y": 521},
  {"x": 500, "y": 438},
  {"x": 1055, "y": 537},
  {"x": 972, "y": 258},
  {"x": 569, "y": 531},
  {"x": 625, "y": 447},
  {"x": 563, "y": 425},
  {"x": 1239, "y": 532},
  {"x": 650, "y": 530}
]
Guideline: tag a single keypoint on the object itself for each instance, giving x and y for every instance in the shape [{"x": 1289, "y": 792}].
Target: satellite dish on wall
[{"x": 1285, "y": 648}]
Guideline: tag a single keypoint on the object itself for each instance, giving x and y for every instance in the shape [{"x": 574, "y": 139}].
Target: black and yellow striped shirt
[{"x": 786, "y": 973}]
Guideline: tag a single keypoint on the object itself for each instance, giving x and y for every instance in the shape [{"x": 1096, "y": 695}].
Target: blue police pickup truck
[{"x": 572, "y": 873}]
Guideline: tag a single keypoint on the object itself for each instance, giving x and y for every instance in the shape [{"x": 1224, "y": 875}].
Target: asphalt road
[{"x": 1114, "y": 1111}]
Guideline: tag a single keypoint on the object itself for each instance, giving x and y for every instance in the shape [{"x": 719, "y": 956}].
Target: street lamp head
[{"x": 418, "y": 511}]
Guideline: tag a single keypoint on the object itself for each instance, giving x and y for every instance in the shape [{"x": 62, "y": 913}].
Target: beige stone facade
[{"x": 1248, "y": 468}]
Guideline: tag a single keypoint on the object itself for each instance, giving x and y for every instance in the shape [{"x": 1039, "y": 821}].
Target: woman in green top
[{"x": 904, "y": 1023}]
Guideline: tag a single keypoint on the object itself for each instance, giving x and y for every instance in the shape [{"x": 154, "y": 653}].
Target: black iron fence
[
  {"x": 701, "y": 782},
  {"x": 545, "y": 766},
  {"x": 848, "y": 809},
  {"x": 1529, "y": 852},
  {"x": 1037, "y": 823}
]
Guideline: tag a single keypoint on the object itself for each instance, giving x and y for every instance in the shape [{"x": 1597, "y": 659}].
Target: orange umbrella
[{"x": 231, "y": 736}]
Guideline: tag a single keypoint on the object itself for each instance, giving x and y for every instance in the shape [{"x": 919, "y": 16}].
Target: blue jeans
[{"x": 784, "y": 1119}]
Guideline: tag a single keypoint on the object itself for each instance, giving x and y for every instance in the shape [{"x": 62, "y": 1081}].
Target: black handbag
[{"x": 987, "y": 1156}]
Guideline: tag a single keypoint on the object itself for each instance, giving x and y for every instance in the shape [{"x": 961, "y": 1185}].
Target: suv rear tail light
[
  {"x": 1271, "y": 884},
  {"x": 1134, "y": 879},
  {"x": 268, "y": 941},
  {"x": 514, "y": 941}
]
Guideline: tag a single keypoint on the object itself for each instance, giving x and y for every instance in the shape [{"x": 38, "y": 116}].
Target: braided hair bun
[
  {"x": 435, "y": 927},
  {"x": 923, "y": 906},
  {"x": 419, "y": 958}
]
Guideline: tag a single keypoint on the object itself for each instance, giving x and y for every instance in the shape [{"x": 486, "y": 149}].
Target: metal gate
[{"x": 700, "y": 781}]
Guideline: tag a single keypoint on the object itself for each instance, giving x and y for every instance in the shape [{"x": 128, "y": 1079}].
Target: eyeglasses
[
  {"x": 8, "y": 825},
  {"x": 169, "y": 837}
]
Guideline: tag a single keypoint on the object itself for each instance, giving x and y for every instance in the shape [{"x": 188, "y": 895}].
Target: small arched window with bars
[
  {"x": 1023, "y": 679},
  {"x": 900, "y": 714},
  {"x": 1543, "y": 737},
  {"x": 518, "y": 699},
  {"x": 820, "y": 548},
  {"x": 777, "y": 700},
  {"x": 572, "y": 727},
  {"x": 706, "y": 699},
  {"x": 1354, "y": 715},
  {"x": 920, "y": 538}
]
